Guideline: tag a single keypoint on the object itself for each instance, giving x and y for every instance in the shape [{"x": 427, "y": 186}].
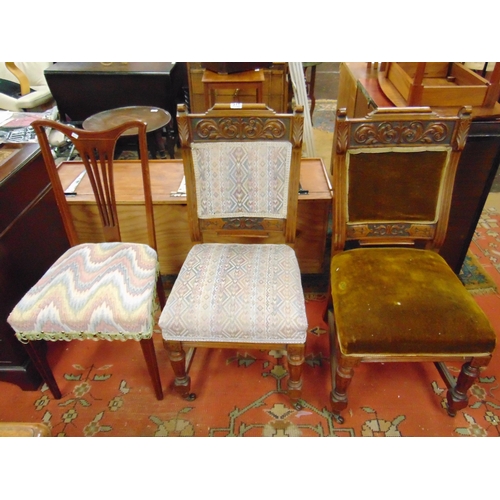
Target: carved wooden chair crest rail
[
  {"x": 394, "y": 297},
  {"x": 240, "y": 286},
  {"x": 98, "y": 291}
]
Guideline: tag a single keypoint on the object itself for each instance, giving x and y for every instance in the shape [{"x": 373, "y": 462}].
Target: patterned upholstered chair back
[
  {"x": 242, "y": 171},
  {"x": 393, "y": 176}
]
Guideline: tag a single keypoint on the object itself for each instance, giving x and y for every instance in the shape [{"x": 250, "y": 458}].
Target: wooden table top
[
  {"x": 166, "y": 177},
  {"x": 114, "y": 67},
  {"x": 154, "y": 117},
  {"x": 243, "y": 77}
]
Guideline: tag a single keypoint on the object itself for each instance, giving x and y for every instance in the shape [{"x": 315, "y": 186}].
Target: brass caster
[
  {"x": 190, "y": 397},
  {"x": 338, "y": 418},
  {"x": 298, "y": 406}
]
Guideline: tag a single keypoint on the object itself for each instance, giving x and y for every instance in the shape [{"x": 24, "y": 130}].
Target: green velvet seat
[
  {"x": 394, "y": 298},
  {"x": 387, "y": 301}
]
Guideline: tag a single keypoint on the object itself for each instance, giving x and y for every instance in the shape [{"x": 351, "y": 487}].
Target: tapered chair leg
[
  {"x": 43, "y": 368},
  {"x": 342, "y": 373},
  {"x": 148, "y": 350},
  {"x": 295, "y": 356},
  {"x": 177, "y": 358}
]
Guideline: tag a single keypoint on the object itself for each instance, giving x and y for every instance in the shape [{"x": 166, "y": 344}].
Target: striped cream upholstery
[{"x": 93, "y": 291}]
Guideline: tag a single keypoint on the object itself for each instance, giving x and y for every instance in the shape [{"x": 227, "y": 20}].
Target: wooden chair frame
[
  {"x": 247, "y": 122},
  {"x": 410, "y": 128},
  {"x": 96, "y": 150}
]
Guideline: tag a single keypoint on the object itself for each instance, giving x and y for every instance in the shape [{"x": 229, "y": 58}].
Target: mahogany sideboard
[
  {"x": 171, "y": 217},
  {"x": 32, "y": 237},
  {"x": 360, "y": 93}
]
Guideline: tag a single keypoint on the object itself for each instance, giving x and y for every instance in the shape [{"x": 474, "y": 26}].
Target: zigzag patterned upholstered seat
[
  {"x": 240, "y": 286},
  {"x": 93, "y": 291}
]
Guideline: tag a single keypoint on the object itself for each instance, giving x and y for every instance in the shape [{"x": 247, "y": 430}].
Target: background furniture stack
[
  {"x": 361, "y": 92},
  {"x": 274, "y": 84}
]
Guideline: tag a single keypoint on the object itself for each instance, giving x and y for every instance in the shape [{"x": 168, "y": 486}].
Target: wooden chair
[
  {"x": 394, "y": 297},
  {"x": 94, "y": 290},
  {"x": 23, "y": 86},
  {"x": 240, "y": 286}
]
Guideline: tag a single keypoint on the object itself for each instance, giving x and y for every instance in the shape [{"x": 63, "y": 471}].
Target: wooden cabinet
[
  {"x": 360, "y": 93},
  {"x": 274, "y": 87},
  {"x": 31, "y": 238},
  {"x": 246, "y": 86},
  {"x": 172, "y": 229}
]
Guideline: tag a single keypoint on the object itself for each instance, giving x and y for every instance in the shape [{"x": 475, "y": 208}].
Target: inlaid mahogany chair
[
  {"x": 95, "y": 291},
  {"x": 394, "y": 297},
  {"x": 240, "y": 285}
]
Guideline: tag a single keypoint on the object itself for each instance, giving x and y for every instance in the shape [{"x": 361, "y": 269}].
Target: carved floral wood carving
[
  {"x": 240, "y": 128},
  {"x": 415, "y": 132},
  {"x": 387, "y": 230},
  {"x": 252, "y": 223},
  {"x": 461, "y": 135}
]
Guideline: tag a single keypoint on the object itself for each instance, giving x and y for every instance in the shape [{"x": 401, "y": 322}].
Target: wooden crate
[{"x": 442, "y": 84}]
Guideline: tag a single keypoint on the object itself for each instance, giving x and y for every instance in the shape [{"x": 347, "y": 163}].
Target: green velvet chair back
[{"x": 393, "y": 176}]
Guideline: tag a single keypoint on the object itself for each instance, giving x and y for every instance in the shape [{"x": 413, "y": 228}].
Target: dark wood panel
[
  {"x": 83, "y": 89},
  {"x": 475, "y": 175},
  {"x": 31, "y": 239}
]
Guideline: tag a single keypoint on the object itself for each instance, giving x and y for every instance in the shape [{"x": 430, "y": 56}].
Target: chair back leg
[
  {"x": 41, "y": 364},
  {"x": 148, "y": 350}
]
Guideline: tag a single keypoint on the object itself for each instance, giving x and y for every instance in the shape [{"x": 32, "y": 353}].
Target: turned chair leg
[
  {"x": 40, "y": 362},
  {"x": 148, "y": 350},
  {"x": 342, "y": 373},
  {"x": 295, "y": 356},
  {"x": 177, "y": 358},
  {"x": 457, "y": 396}
]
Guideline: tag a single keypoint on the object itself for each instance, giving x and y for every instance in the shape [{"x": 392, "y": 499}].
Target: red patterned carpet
[{"x": 107, "y": 391}]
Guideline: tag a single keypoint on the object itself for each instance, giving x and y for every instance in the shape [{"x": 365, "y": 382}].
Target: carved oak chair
[
  {"x": 95, "y": 291},
  {"x": 240, "y": 285},
  {"x": 394, "y": 297}
]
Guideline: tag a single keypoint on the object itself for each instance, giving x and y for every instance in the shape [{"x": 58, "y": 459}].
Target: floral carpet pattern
[{"x": 107, "y": 391}]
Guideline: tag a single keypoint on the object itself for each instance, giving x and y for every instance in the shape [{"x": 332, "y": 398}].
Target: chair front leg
[
  {"x": 457, "y": 396},
  {"x": 295, "y": 356},
  {"x": 177, "y": 357},
  {"x": 342, "y": 373}
]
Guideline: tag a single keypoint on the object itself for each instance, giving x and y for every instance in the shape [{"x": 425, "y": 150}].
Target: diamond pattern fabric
[
  {"x": 237, "y": 179},
  {"x": 93, "y": 291},
  {"x": 237, "y": 293}
]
